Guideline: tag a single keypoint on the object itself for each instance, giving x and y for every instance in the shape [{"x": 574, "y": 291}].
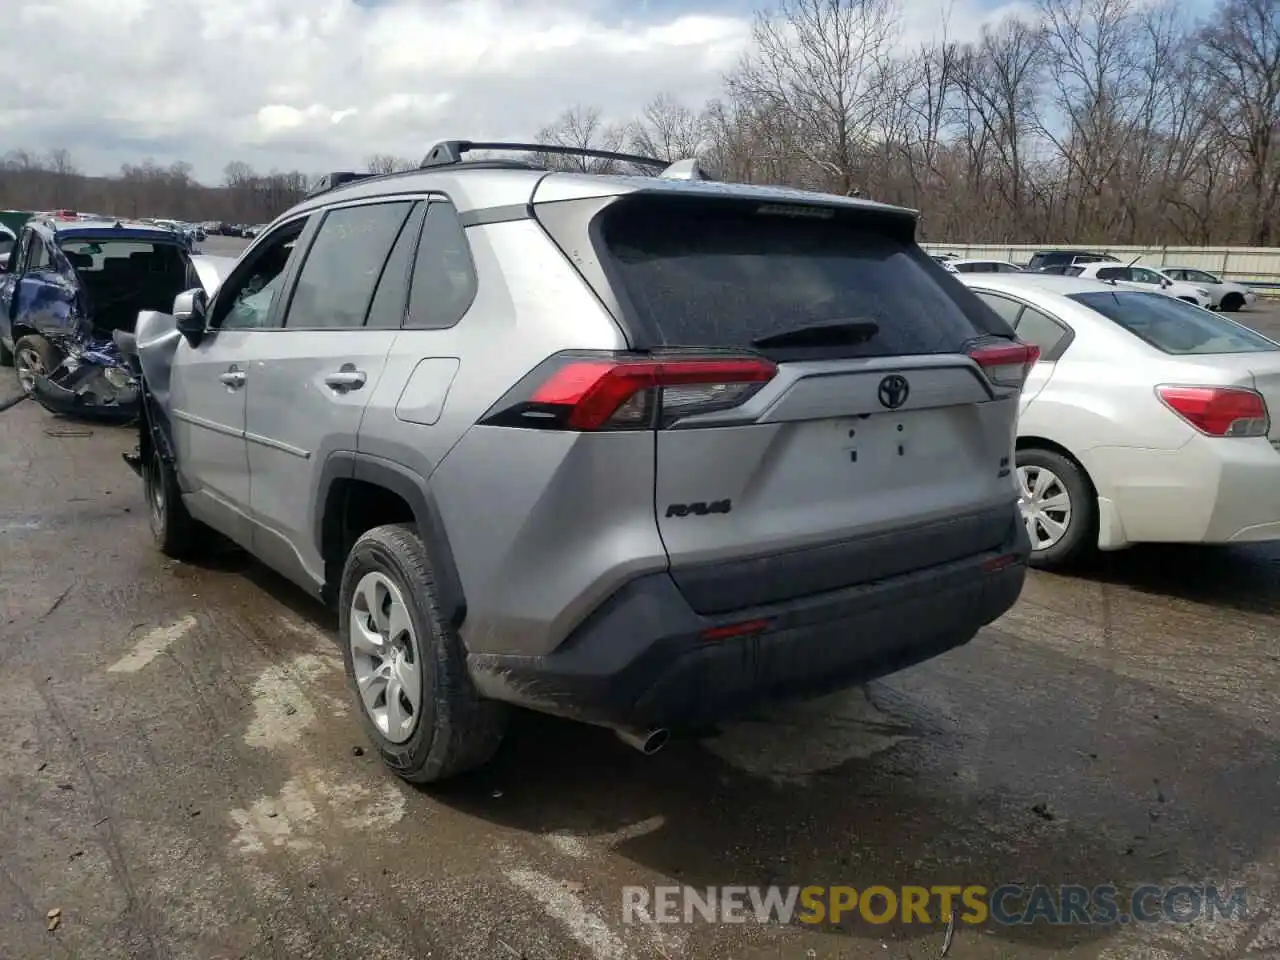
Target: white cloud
[{"x": 321, "y": 84}]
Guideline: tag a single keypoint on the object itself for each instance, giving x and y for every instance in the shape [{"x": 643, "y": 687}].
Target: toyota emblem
[{"x": 894, "y": 391}]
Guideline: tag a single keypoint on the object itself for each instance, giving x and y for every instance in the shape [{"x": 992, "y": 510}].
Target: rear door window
[
  {"x": 727, "y": 274},
  {"x": 1173, "y": 326}
]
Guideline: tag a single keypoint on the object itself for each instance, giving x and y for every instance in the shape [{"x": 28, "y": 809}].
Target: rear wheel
[
  {"x": 406, "y": 662},
  {"x": 1232, "y": 302},
  {"x": 34, "y": 356},
  {"x": 1058, "y": 508}
]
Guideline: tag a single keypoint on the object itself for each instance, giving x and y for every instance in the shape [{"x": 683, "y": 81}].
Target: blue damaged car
[{"x": 68, "y": 286}]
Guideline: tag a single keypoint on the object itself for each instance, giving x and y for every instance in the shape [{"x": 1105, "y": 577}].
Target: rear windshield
[
  {"x": 119, "y": 255},
  {"x": 1173, "y": 326},
  {"x": 731, "y": 274}
]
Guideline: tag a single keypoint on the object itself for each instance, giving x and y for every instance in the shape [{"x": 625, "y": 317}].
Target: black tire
[
  {"x": 456, "y": 730},
  {"x": 45, "y": 352},
  {"x": 6, "y": 356},
  {"x": 1231, "y": 303},
  {"x": 1081, "y": 537},
  {"x": 176, "y": 532}
]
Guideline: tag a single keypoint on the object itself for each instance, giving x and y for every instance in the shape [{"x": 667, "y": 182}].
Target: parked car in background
[
  {"x": 649, "y": 488},
  {"x": 1143, "y": 278},
  {"x": 1225, "y": 294},
  {"x": 1065, "y": 258},
  {"x": 986, "y": 266},
  {"x": 1146, "y": 419}
]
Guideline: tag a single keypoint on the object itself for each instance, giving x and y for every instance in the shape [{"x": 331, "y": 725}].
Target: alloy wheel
[{"x": 386, "y": 657}]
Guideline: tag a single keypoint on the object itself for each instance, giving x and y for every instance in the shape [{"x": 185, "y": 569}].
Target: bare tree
[
  {"x": 668, "y": 130},
  {"x": 1240, "y": 50},
  {"x": 999, "y": 80},
  {"x": 581, "y": 128},
  {"x": 387, "y": 163},
  {"x": 817, "y": 65}
]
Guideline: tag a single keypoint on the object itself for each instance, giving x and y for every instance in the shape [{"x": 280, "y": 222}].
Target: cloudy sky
[{"x": 321, "y": 84}]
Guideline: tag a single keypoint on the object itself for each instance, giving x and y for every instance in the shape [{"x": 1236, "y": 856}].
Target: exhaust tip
[{"x": 647, "y": 742}]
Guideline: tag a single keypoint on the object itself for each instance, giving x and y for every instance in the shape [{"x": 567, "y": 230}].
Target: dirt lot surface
[{"x": 182, "y": 774}]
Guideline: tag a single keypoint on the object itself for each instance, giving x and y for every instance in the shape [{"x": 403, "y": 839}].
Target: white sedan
[
  {"x": 1146, "y": 419},
  {"x": 1144, "y": 278},
  {"x": 1226, "y": 294}
]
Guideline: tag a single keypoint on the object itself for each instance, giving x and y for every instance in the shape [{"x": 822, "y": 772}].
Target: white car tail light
[{"x": 1219, "y": 411}]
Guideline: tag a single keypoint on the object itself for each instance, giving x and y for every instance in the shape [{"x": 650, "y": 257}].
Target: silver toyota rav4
[{"x": 642, "y": 451}]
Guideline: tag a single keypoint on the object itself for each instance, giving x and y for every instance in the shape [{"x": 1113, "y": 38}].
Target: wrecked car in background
[{"x": 69, "y": 286}]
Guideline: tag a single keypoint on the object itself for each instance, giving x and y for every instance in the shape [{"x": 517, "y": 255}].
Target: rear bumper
[
  {"x": 639, "y": 659},
  {"x": 1211, "y": 490}
]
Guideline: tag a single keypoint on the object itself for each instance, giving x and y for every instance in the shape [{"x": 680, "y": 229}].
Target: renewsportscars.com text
[{"x": 1006, "y": 905}]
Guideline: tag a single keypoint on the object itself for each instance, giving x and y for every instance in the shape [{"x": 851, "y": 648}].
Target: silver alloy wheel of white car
[
  {"x": 27, "y": 363},
  {"x": 386, "y": 657},
  {"x": 1045, "y": 505}
]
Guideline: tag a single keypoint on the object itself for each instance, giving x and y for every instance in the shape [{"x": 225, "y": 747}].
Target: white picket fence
[{"x": 1257, "y": 266}]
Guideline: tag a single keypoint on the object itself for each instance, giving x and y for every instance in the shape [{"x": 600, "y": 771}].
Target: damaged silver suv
[{"x": 642, "y": 451}]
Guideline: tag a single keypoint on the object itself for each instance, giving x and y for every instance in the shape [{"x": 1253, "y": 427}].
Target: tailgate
[
  {"x": 875, "y": 444},
  {"x": 827, "y": 488}
]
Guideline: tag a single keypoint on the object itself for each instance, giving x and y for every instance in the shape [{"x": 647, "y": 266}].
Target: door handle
[
  {"x": 348, "y": 378},
  {"x": 233, "y": 378}
]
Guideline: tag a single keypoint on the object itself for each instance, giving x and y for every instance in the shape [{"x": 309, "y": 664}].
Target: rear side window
[
  {"x": 1113, "y": 273},
  {"x": 1173, "y": 326},
  {"x": 444, "y": 277},
  {"x": 725, "y": 275},
  {"x": 1005, "y": 308},
  {"x": 343, "y": 265}
]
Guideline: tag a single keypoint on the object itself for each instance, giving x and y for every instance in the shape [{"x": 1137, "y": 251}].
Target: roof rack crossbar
[{"x": 448, "y": 152}]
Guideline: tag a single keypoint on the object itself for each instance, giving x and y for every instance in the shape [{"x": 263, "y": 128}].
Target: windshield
[{"x": 1173, "y": 326}]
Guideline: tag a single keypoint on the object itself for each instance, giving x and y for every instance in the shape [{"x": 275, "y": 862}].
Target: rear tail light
[
  {"x": 1007, "y": 363},
  {"x": 626, "y": 392},
  {"x": 1219, "y": 411}
]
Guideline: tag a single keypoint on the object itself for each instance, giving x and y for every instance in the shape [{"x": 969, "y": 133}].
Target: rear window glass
[
  {"x": 724, "y": 276},
  {"x": 1173, "y": 326}
]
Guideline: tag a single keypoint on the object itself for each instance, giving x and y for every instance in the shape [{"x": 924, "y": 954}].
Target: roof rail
[
  {"x": 448, "y": 152},
  {"x": 331, "y": 181}
]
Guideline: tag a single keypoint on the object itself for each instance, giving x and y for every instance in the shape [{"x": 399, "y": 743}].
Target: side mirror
[
  {"x": 1166, "y": 283},
  {"x": 190, "y": 309}
]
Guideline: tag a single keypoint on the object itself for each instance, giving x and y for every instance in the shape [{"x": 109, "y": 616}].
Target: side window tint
[
  {"x": 1008, "y": 309},
  {"x": 444, "y": 276},
  {"x": 343, "y": 265},
  {"x": 392, "y": 296},
  {"x": 1044, "y": 332},
  {"x": 245, "y": 303}
]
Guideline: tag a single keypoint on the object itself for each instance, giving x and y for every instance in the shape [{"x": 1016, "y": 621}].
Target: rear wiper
[{"x": 828, "y": 333}]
